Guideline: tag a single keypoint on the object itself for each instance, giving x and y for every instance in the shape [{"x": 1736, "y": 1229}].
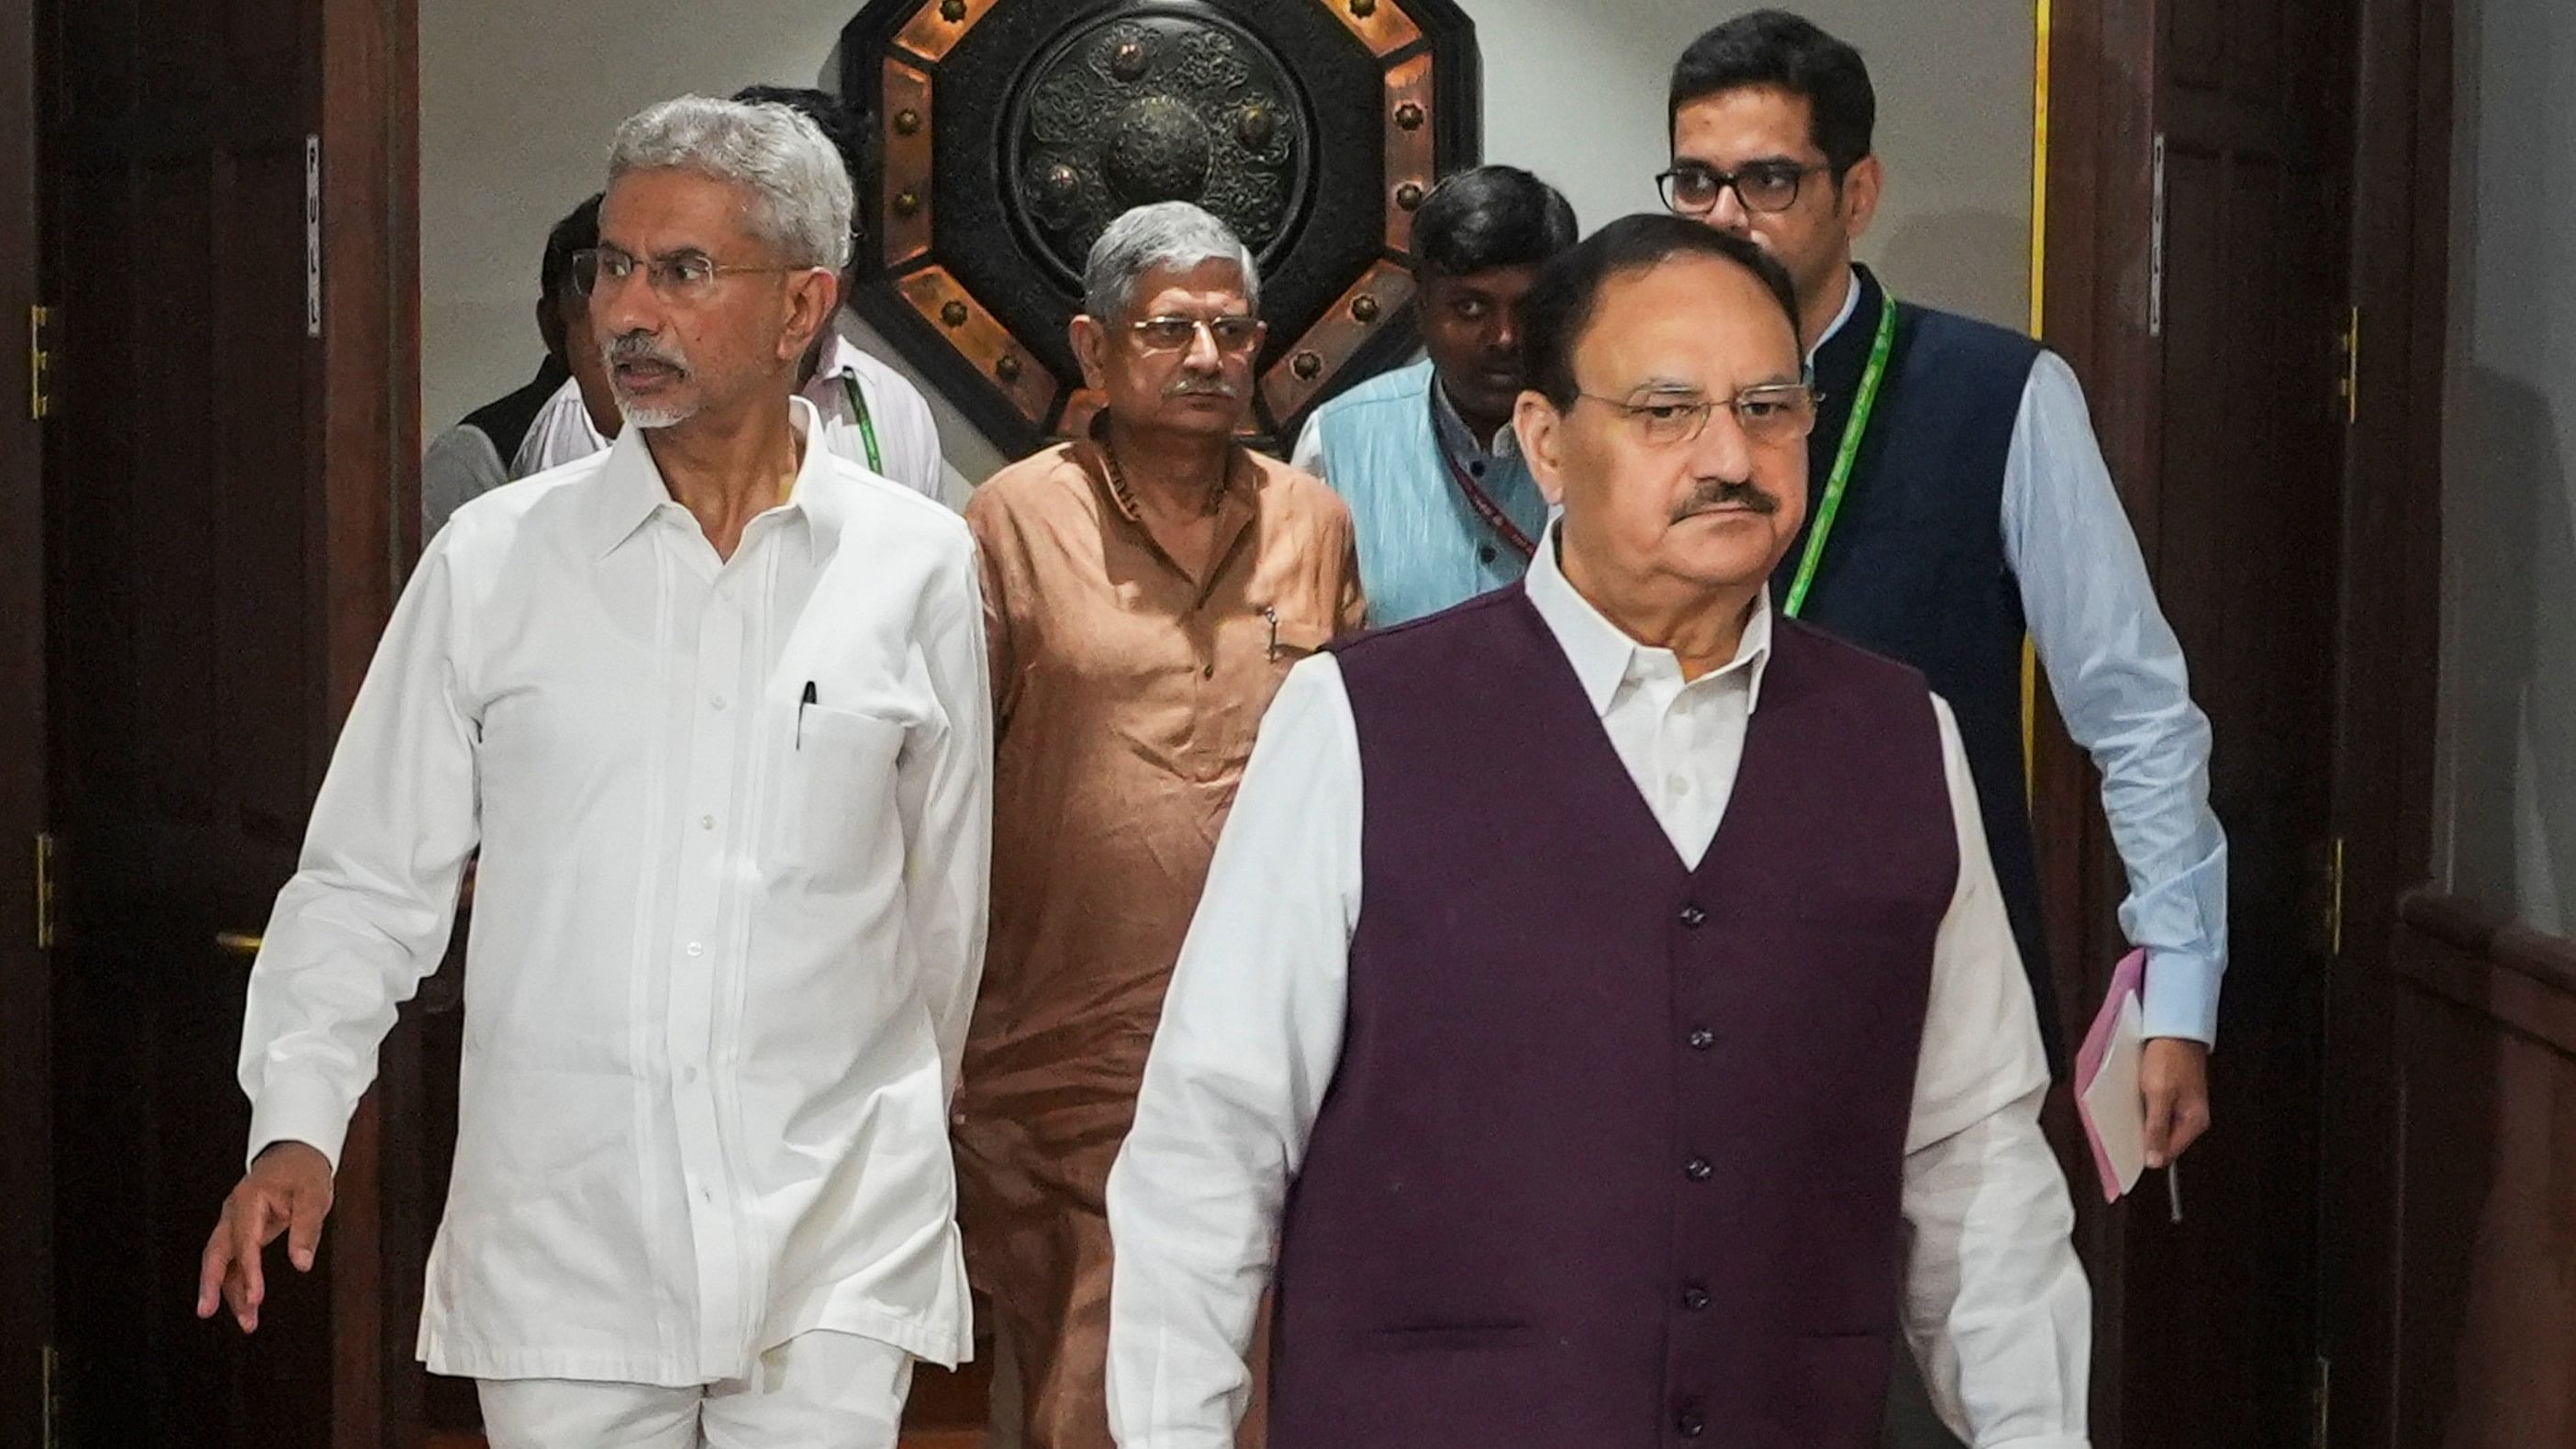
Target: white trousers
[{"x": 815, "y": 1391}]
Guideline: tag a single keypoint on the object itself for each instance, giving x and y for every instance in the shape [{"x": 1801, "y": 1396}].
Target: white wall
[
  {"x": 518, "y": 100},
  {"x": 2507, "y": 751}
]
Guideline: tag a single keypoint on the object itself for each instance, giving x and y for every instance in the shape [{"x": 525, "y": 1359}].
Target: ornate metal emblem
[{"x": 1014, "y": 131}]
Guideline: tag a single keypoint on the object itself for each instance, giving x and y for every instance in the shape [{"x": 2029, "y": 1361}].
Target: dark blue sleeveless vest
[
  {"x": 1613, "y": 1155},
  {"x": 506, "y": 420},
  {"x": 1914, "y": 568}
]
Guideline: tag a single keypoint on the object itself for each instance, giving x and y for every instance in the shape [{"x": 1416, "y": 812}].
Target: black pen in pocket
[{"x": 800, "y": 713}]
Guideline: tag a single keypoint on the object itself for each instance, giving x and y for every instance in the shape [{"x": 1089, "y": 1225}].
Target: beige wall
[
  {"x": 2506, "y": 813},
  {"x": 518, "y": 100}
]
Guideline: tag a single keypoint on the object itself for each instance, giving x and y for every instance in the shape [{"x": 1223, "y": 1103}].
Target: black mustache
[{"x": 1714, "y": 493}]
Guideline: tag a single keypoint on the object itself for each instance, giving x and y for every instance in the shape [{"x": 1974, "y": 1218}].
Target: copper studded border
[
  {"x": 1411, "y": 157},
  {"x": 1327, "y": 345},
  {"x": 938, "y": 26},
  {"x": 980, "y": 338},
  {"x": 1381, "y": 25},
  {"x": 904, "y": 194}
]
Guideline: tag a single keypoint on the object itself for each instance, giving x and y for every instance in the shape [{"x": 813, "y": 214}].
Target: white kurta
[
  {"x": 1997, "y": 1309},
  {"x": 734, "y": 818}
]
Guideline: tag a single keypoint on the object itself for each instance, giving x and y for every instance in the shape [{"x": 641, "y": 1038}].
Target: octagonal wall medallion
[{"x": 1011, "y": 132}]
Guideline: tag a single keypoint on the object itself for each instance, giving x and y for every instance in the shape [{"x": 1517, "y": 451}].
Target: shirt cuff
[
  {"x": 2041, "y": 1441},
  {"x": 2182, "y": 996},
  {"x": 299, "y": 1109}
]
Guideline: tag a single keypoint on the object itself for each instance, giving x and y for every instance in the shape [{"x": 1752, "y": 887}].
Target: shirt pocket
[{"x": 837, "y": 781}]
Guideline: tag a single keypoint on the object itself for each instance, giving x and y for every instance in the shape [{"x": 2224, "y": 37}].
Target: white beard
[{"x": 648, "y": 417}]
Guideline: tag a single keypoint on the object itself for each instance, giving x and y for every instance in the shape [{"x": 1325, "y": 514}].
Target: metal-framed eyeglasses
[
  {"x": 682, "y": 276},
  {"x": 1770, "y": 414},
  {"x": 1232, "y": 335},
  {"x": 1766, "y": 187}
]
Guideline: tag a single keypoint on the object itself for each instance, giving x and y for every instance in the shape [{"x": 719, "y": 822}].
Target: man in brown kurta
[{"x": 1145, "y": 589}]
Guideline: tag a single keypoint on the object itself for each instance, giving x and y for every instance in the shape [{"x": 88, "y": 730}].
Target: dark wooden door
[
  {"x": 217, "y": 505},
  {"x": 2196, "y": 271},
  {"x": 2221, "y": 1309},
  {"x": 26, "y": 1188}
]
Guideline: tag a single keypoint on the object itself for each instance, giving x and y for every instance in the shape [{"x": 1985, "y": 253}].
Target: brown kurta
[{"x": 1128, "y": 696}]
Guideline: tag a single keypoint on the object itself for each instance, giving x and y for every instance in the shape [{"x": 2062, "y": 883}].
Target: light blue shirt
[
  {"x": 2117, "y": 673},
  {"x": 1386, "y": 447}
]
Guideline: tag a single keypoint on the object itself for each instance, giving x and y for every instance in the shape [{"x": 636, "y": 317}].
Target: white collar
[
  {"x": 631, "y": 490},
  {"x": 1602, "y": 653},
  {"x": 1851, "y": 304}
]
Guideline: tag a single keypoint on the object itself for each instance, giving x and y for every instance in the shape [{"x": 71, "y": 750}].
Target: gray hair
[
  {"x": 1171, "y": 234},
  {"x": 801, "y": 200}
]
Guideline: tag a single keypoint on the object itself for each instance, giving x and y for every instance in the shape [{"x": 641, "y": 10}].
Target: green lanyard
[
  {"x": 1863, "y": 403},
  {"x": 867, "y": 430}
]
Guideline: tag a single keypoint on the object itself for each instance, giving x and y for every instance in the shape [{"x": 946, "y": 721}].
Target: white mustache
[
  {"x": 1202, "y": 387},
  {"x": 640, "y": 347}
]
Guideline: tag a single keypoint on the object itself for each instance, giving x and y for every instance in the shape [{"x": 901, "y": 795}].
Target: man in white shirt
[
  {"x": 714, "y": 707},
  {"x": 1647, "y": 1085},
  {"x": 872, "y": 415}
]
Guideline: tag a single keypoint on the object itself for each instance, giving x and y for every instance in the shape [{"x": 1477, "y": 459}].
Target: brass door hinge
[
  {"x": 2348, "y": 384},
  {"x": 52, "y": 1407},
  {"x": 2324, "y": 898},
  {"x": 2320, "y": 1403},
  {"x": 46, "y": 892},
  {"x": 40, "y": 363},
  {"x": 2334, "y": 898}
]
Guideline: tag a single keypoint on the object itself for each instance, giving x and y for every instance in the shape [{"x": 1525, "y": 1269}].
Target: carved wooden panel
[{"x": 1013, "y": 131}]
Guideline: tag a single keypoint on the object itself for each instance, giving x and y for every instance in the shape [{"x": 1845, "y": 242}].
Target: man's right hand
[{"x": 288, "y": 1190}]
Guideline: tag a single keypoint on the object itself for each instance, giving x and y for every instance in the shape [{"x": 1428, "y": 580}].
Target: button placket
[{"x": 698, "y": 963}]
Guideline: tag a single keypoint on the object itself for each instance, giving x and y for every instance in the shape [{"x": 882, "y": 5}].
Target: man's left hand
[{"x": 2175, "y": 1077}]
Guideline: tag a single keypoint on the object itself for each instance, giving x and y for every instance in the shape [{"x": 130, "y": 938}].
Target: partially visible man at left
[
  {"x": 713, "y": 705},
  {"x": 482, "y": 452},
  {"x": 871, "y": 414}
]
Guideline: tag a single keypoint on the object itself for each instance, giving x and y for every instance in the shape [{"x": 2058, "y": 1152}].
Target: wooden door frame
[
  {"x": 26, "y": 1072},
  {"x": 363, "y": 526},
  {"x": 2388, "y": 713},
  {"x": 366, "y": 529},
  {"x": 2101, "y": 89},
  {"x": 2097, "y": 175}
]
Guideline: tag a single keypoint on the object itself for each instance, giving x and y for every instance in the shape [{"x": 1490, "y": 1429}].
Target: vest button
[
  {"x": 1702, "y": 1039},
  {"x": 1694, "y": 1299},
  {"x": 1692, "y": 916},
  {"x": 1689, "y": 1424},
  {"x": 1485, "y": 554},
  {"x": 1698, "y": 1169}
]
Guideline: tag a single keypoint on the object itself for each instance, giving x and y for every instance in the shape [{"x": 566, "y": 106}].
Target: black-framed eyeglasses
[
  {"x": 684, "y": 276},
  {"x": 1763, "y": 186},
  {"x": 1233, "y": 335},
  {"x": 1770, "y": 414}
]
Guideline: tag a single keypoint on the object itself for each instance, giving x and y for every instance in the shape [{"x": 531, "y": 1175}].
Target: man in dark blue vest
[
  {"x": 1958, "y": 502},
  {"x": 1647, "y": 1095}
]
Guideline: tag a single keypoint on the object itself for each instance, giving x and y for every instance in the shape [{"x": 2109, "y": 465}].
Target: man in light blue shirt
[
  {"x": 1957, "y": 498},
  {"x": 1424, "y": 455}
]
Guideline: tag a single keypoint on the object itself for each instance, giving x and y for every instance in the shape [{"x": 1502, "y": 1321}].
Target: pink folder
[{"x": 2127, "y": 979}]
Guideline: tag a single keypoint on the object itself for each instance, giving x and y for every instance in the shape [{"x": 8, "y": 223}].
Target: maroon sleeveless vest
[{"x": 1614, "y": 1152}]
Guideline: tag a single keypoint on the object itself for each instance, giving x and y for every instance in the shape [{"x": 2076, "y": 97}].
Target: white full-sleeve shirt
[
  {"x": 2117, "y": 674},
  {"x": 1996, "y": 1310},
  {"x": 845, "y": 381},
  {"x": 734, "y": 822}
]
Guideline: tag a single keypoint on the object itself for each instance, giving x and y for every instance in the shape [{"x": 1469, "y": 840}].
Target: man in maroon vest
[{"x": 1644, "y": 1097}]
